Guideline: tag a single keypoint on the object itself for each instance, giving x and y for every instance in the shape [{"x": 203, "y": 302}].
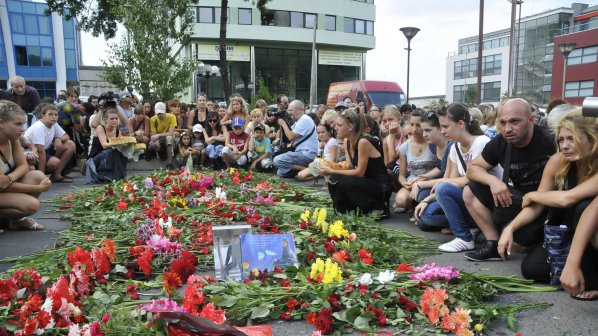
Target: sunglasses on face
[
  {"x": 428, "y": 116},
  {"x": 212, "y": 120}
]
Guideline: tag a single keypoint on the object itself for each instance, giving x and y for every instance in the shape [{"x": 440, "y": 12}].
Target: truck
[{"x": 369, "y": 91}]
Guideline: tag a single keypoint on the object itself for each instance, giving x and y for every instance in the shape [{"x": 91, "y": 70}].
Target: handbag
[{"x": 557, "y": 241}]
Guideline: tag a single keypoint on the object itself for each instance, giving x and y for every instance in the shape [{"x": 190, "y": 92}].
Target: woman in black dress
[{"x": 366, "y": 187}]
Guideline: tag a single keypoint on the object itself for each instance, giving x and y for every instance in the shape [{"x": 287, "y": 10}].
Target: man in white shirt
[
  {"x": 54, "y": 147},
  {"x": 303, "y": 136}
]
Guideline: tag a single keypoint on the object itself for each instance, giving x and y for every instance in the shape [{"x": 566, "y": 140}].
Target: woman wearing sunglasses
[{"x": 214, "y": 134}]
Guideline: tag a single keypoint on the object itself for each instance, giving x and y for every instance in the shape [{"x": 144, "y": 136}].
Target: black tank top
[{"x": 96, "y": 145}]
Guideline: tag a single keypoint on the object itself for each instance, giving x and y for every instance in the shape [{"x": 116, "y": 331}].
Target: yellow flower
[
  {"x": 317, "y": 268},
  {"x": 305, "y": 215},
  {"x": 231, "y": 171},
  {"x": 322, "y": 216},
  {"x": 338, "y": 229},
  {"x": 479, "y": 327},
  {"x": 332, "y": 272},
  {"x": 314, "y": 216}
]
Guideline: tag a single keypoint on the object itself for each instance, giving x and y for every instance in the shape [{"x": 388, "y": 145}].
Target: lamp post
[
  {"x": 512, "y": 78},
  {"x": 566, "y": 49},
  {"x": 409, "y": 33},
  {"x": 206, "y": 71}
]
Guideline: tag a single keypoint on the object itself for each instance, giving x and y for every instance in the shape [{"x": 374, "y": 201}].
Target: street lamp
[
  {"x": 566, "y": 49},
  {"x": 512, "y": 78},
  {"x": 409, "y": 33},
  {"x": 206, "y": 71}
]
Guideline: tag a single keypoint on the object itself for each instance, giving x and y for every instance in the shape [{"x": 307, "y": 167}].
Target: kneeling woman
[
  {"x": 365, "y": 188},
  {"x": 104, "y": 163},
  {"x": 569, "y": 183},
  {"x": 19, "y": 186}
]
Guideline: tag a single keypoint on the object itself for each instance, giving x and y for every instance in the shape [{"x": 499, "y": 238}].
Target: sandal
[
  {"x": 25, "y": 223},
  {"x": 62, "y": 179}
]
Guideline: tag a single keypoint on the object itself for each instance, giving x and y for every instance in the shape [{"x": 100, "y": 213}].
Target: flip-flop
[
  {"x": 32, "y": 224},
  {"x": 63, "y": 179},
  {"x": 574, "y": 297}
]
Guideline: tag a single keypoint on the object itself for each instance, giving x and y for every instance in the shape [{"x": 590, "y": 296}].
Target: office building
[
  {"x": 276, "y": 45},
  {"x": 40, "y": 48}
]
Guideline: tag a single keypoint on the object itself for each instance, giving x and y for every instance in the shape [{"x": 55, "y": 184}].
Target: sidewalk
[{"x": 565, "y": 317}]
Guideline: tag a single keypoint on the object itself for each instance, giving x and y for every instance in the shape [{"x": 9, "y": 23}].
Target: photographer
[{"x": 303, "y": 138}]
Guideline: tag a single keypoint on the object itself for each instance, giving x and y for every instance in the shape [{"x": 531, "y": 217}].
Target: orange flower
[
  {"x": 341, "y": 257},
  {"x": 109, "y": 248},
  {"x": 171, "y": 280}
]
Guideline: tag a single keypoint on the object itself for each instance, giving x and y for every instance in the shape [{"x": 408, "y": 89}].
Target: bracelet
[
  {"x": 417, "y": 185},
  {"x": 10, "y": 181},
  {"x": 424, "y": 201}
]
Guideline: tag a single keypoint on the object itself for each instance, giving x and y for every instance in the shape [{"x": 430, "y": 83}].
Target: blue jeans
[
  {"x": 214, "y": 151},
  {"x": 284, "y": 162},
  {"x": 432, "y": 218},
  {"x": 450, "y": 198}
]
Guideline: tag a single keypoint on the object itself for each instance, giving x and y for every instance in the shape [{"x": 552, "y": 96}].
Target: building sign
[
  {"x": 233, "y": 53},
  {"x": 344, "y": 58}
]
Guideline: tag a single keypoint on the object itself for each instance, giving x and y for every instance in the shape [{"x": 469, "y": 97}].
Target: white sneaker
[{"x": 457, "y": 245}]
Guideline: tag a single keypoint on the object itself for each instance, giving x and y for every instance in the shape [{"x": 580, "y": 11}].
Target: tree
[
  {"x": 102, "y": 16},
  {"x": 145, "y": 59},
  {"x": 438, "y": 103},
  {"x": 470, "y": 96}
]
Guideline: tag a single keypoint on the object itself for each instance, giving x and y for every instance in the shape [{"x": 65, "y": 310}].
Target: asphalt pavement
[{"x": 565, "y": 317}]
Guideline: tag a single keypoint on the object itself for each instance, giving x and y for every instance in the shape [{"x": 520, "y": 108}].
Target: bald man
[
  {"x": 24, "y": 95},
  {"x": 531, "y": 146}
]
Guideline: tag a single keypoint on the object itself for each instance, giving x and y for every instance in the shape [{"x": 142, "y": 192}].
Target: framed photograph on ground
[
  {"x": 266, "y": 251},
  {"x": 227, "y": 251}
]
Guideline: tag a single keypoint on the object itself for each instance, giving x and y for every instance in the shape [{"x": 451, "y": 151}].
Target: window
[
  {"x": 44, "y": 25},
  {"x": 47, "y": 59},
  {"x": 21, "y": 54},
  {"x": 491, "y": 91},
  {"x": 459, "y": 93},
  {"x": 210, "y": 15},
  {"x": 492, "y": 65},
  {"x": 359, "y": 26},
  {"x": 244, "y": 16},
  {"x": 583, "y": 55},
  {"x": 205, "y": 15},
  {"x": 310, "y": 20},
  {"x": 330, "y": 22},
  {"x": 349, "y": 25},
  {"x": 579, "y": 89},
  {"x": 282, "y": 19},
  {"x": 466, "y": 68},
  {"x": 296, "y": 20},
  {"x": 34, "y": 55},
  {"x": 17, "y": 23},
  {"x": 31, "y": 24}
]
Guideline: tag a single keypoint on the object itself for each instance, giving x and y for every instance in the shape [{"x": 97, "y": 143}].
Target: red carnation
[
  {"x": 109, "y": 248},
  {"x": 171, "y": 281},
  {"x": 184, "y": 266},
  {"x": 324, "y": 322},
  {"x": 29, "y": 279},
  {"x": 122, "y": 204},
  {"x": 102, "y": 264},
  {"x": 81, "y": 257},
  {"x": 404, "y": 268},
  {"x": 411, "y": 306},
  {"x": 145, "y": 261},
  {"x": 365, "y": 256}
]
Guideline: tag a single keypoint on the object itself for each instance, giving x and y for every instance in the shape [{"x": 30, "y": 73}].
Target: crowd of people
[{"x": 507, "y": 179}]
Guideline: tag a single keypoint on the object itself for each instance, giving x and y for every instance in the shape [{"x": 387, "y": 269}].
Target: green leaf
[
  {"x": 260, "y": 312},
  {"x": 362, "y": 323},
  {"x": 400, "y": 313},
  {"x": 120, "y": 269},
  {"x": 512, "y": 321}
]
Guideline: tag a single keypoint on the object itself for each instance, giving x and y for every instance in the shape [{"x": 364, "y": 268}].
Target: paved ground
[{"x": 565, "y": 317}]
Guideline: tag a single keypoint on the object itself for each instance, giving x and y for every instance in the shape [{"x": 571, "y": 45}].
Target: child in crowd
[
  {"x": 236, "y": 145},
  {"x": 214, "y": 139},
  {"x": 260, "y": 149},
  {"x": 257, "y": 118},
  {"x": 328, "y": 149},
  {"x": 186, "y": 149}
]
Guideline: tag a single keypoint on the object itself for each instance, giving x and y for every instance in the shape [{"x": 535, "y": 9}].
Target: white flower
[
  {"x": 365, "y": 279},
  {"x": 47, "y": 306},
  {"x": 155, "y": 237},
  {"x": 386, "y": 276},
  {"x": 220, "y": 194},
  {"x": 165, "y": 225}
]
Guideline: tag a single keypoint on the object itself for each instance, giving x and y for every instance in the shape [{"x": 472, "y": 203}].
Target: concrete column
[
  {"x": 252, "y": 66},
  {"x": 9, "y": 50},
  {"x": 59, "y": 57}
]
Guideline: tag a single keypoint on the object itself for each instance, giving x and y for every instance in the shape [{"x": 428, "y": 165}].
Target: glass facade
[
  {"x": 70, "y": 52},
  {"x": 468, "y": 68},
  {"x": 3, "y": 63},
  {"x": 284, "y": 70},
  {"x": 488, "y": 44},
  {"x": 31, "y": 32},
  {"x": 534, "y": 68}
]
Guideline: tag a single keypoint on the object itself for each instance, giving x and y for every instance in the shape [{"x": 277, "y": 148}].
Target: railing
[{"x": 583, "y": 26}]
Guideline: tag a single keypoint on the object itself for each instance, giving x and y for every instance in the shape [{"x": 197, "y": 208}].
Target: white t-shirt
[
  {"x": 331, "y": 143},
  {"x": 39, "y": 134},
  {"x": 304, "y": 126},
  {"x": 474, "y": 151}
]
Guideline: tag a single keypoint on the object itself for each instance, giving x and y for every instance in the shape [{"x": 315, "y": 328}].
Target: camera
[
  {"x": 109, "y": 99},
  {"x": 589, "y": 108},
  {"x": 273, "y": 112}
]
